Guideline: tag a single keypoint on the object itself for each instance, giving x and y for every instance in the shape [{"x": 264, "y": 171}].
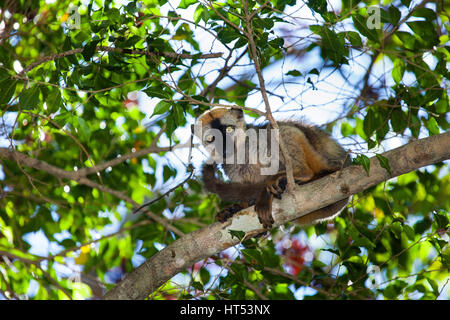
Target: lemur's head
[{"x": 215, "y": 125}]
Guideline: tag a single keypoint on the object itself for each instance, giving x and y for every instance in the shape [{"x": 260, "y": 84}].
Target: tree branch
[{"x": 211, "y": 240}]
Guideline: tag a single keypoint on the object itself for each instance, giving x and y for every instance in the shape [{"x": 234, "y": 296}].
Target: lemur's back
[{"x": 308, "y": 147}]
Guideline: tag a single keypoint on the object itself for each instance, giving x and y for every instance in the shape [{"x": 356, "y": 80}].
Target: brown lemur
[{"x": 244, "y": 157}]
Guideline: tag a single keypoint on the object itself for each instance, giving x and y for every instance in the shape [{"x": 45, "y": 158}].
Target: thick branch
[{"x": 213, "y": 239}]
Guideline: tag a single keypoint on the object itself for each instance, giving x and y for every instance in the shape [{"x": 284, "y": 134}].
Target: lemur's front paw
[
  {"x": 278, "y": 186},
  {"x": 228, "y": 212}
]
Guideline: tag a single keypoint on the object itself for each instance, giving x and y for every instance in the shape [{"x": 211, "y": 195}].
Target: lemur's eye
[
  {"x": 229, "y": 129},
  {"x": 209, "y": 138}
]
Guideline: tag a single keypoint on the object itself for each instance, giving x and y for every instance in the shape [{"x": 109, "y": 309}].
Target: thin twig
[{"x": 269, "y": 116}]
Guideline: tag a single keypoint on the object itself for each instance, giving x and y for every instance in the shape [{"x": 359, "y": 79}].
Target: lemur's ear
[{"x": 238, "y": 113}]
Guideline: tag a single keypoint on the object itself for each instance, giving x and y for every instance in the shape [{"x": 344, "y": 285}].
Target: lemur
[{"x": 313, "y": 154}]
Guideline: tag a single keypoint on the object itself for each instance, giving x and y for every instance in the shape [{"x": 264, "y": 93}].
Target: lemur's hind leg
[{"x": 277, "y": 184}]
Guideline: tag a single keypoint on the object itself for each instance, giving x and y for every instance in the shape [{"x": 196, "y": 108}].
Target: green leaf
[
  {"x": 371, "y": 143},
  {"x": 319, "y": 6},
  {"x": 114, "y": 15},
  {"x": 398, "y": 120},
  {"x": 268, "y": 23},
  {"x": 415, "y": 125},
  {"x": 330, "y": 16},
  {"x": 277, "y": 43},
  {"x": 243, "y": 41},
  {"x": 442, "y": 106},
  {"x": 89, "y": 50},
  {"x": 253, "y": 256},
  {"x": 197, "y": 285},
  {"x": 66, "y": 222},
  {"x": 7, "y": 89},
  {"x": 408, "y": 39},
  {"x": 200, "y": 13},
  {"x": 394, "y": 290},
  {"x": 381, "y": 132},
  {"x": 5, "y": 56},
  {"x": 364, "y": 242},
  {"x": 316, "y": 28},
  {"x": 177, "y": 112},
  {"x": 157, "y": 92},
  {"x": 360, "y": 24},
  {"x": 364, "y": 161},
  {"x": 399, "y": 70},
  {"x": 409, "y": 232},
  {"x": 394, "y": 14},
  {"x": 313, "y": 71},
  {"x": 406, "y": 3},
  {"x": 294, "y": 73},
  {"x": 426, "y": 13},
  {"x": 68, "y": 46},
  {"x": 269, "y": 256},
  {"x": 347, "y": 129},
  {"x": 426, "y": 32},
  {"x": 169, "y": 172},
  {"x": 186, "y": 3},
  {"x": 332, "y": 46},
  {"x": 370, "y": 123},
  {"x": 385, "y": 16},
  {"x": 170, "y": 127},
  {"x": 54, "y": 101},
  {"x": 186, "y": 83},
  {"x": 335, "y": 251},
  {"x": 82, "y": 129},
  {"x": 384, "y": 163},
  {"x": 227, "y": 35},
  {"x": 204, "y": 276},
  {"x": 320, "y": 228},
  {"x": 441, "y": 220},
  {"x": 434, "y": 286},
  {"x": 4, "y": 74},
  {"x": 131, "y": 8},
  {"x": 354, "y": 38},
  {"x": 161, "y": 107},
  {"x": 397, "y": 229},
  {"x": 432, "y": 126},
  {"x": 29, "y": 98},
  {"x": 238, "y": 234}
]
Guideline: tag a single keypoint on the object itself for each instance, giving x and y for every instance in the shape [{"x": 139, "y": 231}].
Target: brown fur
[{"x": 313, "y": 153}]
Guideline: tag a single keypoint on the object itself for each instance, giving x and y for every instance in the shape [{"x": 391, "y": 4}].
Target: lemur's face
[{"x": 217, "y": 129}]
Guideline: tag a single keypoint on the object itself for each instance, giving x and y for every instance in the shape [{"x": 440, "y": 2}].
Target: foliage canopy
[{"x": 93, "y": 94}]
